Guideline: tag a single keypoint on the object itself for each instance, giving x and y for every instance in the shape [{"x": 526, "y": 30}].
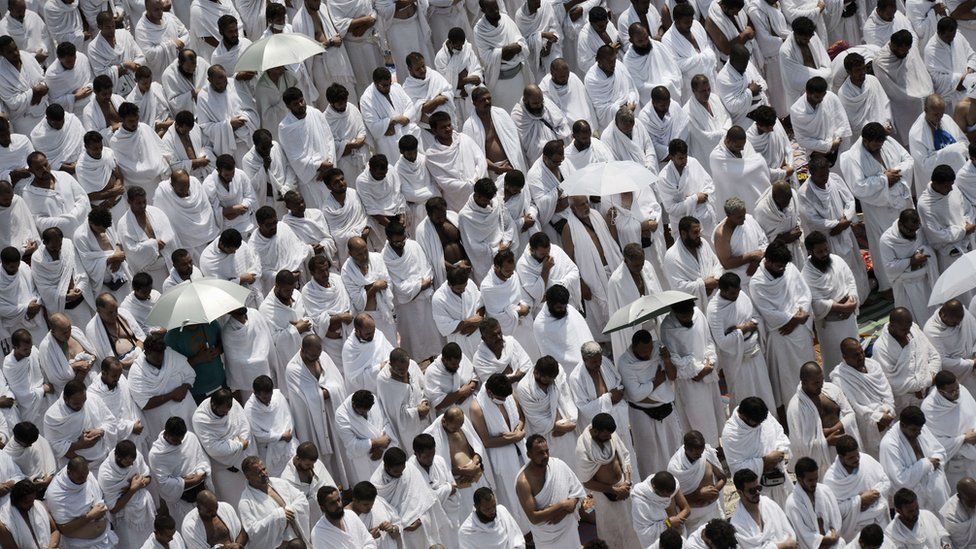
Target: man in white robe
[
  {"x": 812, "y": 508},
  {"x": 338, "y": 528},
  {"x": 862, "y": 96},
  {"x": 910, "y": 264},
  {"x": 902, "y": 74},
  {"x": 183, "y": 79},
  {"x": 586, "y": 149},
  {"x": 266, "y": 165},
  {"x": 539, "y": 120},
  {"x": 948, "y": 62},
  {"x": 819, "y": 120},
  {"x": 428, "y": 90},
  {"x": 738, "y": 170},
  {"x": 686, "y": 189},
  {"x": 664, "y": 120},
  {"x": 947, "y": 221},
  {"x": 455, "y": 161},
  {"x": 657, "y": 502},
  {"x": 449, "y": 380},
  {"x": 225, "y": 435},
  {"x": 648, "y": 377},
  {"x": 739, "y": 241},
  {"x": 631, "y": 141},
  {"x": 754, "y": 441},
  {"x": 603, "y": 466},
  {"x": 458, "y": 309},
  {"x": 69, "y": 79},
  {"x": 343, "y": 212},
  {"x": 456, "y": 59},
  {"x": 803, "y": 56},
  {"x": 20, "y": 302},
  {"x": 60, "y": 279},
  {"x": 879, "y": 173},
  {"x": 185, "y": 203},
  {"x": 908, "y": 358},
  {"x": 610, "y": 86},
  {"x": 558, "y": 326},
  {"x": 115, "y": 53},
  {"x": 364, "y": 353},
  {"x": 493, "y": 128},
  {"x": 690, "y": 264},
  {"x": 25, "y": 379},
  {"x": 366, "y": 280},
  {"x": 226, "y": 114},
  {"x": 212, "y": 522},
  {"x": 735, "y": 329},
  {"x": 75, "y": 498},
  {"x": 741, "y": 86},
  {"x": 22, "y": 84},
  {"x": 915, "y": 526},
  {"x": 544, "y": 398},
  {"x": 271, "y": 424},
  {"x": 379, "y": 192},
  {"x": 708, "y": 121},
  {"x": 548, "y": 489},
  {"x": 952, "y": 331},
  {"x": 307, "y": 141},
  {"x": 412, "y": 281},
  {"x": 272, "y": 511},
  {"x": 140, "y": 152},
  {"x": 59, "y": 138},
  {"x": 364, "y": 433},
  {"x": 912, "y": 456},
  {"x": 306, "y": 473},
  {"x": 27, "y": 28},
  {"x": 950, "y": 414},
  {"x": 54, "y": 197},
  {"x": 284, "y": 309},
  {"x": 112, "y": 388},
  {"x": 935, "y": 139},
  {"x": 504, "y": 54},
  {"x": 161, "y": 35},
  {"x": 388, "y": 113},
  {"x": 650, "y": 62},
  {"x": 490, "y": 525},
  {"x": 778, "y": 213},
  {"x": 316, "y": 20},
  {"x": 698, "y": 472},
  {"x": 567, "y": 92},
  {"x": 834, "y": 297},
  {"x": 685, "y": 333},
  {"x": 79, "y": 424},
  {"x": 818, "y": 415},
  {"x": 957, "y": 514},
  {"x": 692, "y": 48},
  {"x": 276, "y": 246},
  {"x": 14, "y": 149},
  {"x": 347, "y": 126},
  {"x": 158, "y": 383},
  {"x": 126, "y": 474},
  {"x": 400, "y": 388},
  {"x": 860, "y": 486}
]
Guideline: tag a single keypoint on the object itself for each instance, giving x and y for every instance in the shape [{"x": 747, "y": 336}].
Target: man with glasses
[{"x": 759, "y": 521}]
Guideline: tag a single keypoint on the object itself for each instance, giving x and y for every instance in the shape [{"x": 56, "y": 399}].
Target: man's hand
[
  {"x": 137, "y": 427},
  {"x": 754, "y": 88},
  {"x": 413, "y": 526},
  {"x": 704, "y": 372},
  {"x": 138, "y": 482},
  {"x": 702, "y": 198},
  {"x": 918, "y": 260},
  {"x": 936, "y": 462},
  {"x": 616, "y": 395},
  {"x": 82, "y": 92},
  {"x": 289, "y": 514},
  {"x": 97, "y": 512},
  {"x": 423, "y": 408},
  {"x": 893, "y": 176},
  {"x": 301, "y": 325},
  {"x": 868, "y": 498}
]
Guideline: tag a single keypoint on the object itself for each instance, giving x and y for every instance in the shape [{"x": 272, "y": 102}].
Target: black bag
[
  {"x": 658, "y": 413},
  {"x": 190, "y": 494},
  {"x": 773, "y": 478}
]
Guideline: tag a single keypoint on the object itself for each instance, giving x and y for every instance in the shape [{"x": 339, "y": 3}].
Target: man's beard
[
  {"x": 335, "y": 516},
  {"x": 483, "y": 518},
  {"x": 777, "y": 274},
  {"x": 692, "y": 244},
  {"x": 821, "y": 264},
  {"x": 642, "y": 50}
]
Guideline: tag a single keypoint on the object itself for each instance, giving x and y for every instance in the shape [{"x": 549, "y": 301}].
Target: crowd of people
[{"x": 421, "y": 359}]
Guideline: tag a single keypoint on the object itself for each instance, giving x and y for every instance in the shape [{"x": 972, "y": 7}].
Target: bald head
[
  {"x": 454, "y": 413},
  {"x": 59, "y": 321},
  {"x": 901, "y": 317},
  {"x": 953, "y": 307},
  {"x": 356, "y": 244},
  {"x": 363, "y": 320},
  {"x": 809, "y": 371},
  {"x": 532, "y": 94},
  {"x": 934, "y": 101},
  {"x": 966, "y": 488},
  {"x": 310, "y": 342}
]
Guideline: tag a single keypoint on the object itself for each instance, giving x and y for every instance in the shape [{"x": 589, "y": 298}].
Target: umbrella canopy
[
  {"x": 277, "y": 50},
  {"x": 644, "y": 309},
  {"x": 199, "y": 301},
  {"x": 608, "y": 178},
  {"x": 955, "y": 281}
]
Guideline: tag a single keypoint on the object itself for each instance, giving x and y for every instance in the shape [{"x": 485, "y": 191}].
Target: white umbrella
[
  {"x": 199, "y": 301},
  {"x": 608, "y": 178},
  {"x": 955, "y": 281},
  {"x": 277, "y": 50},
  {"x": 644, "y": 309}
]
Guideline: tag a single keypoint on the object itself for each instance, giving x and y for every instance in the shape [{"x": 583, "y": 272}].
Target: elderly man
[
  {"x": 756, "y": 442},
  {"x": 212, "y": 522},
  {"x": 272, "y": 511},
  {"x": 610, "y": 86},
  {"x": 65, "y": 353},
  {"x": 935, "y": 139},
  {"x": 908, "y": 358},
  {"x": 950, "y": 412},
  {"x": 709, "y": 121},
  {"x": 80, "y": 425},
  {"x": 860, "y": 486},
  {"x": 912, "y": 456},
  {"x": 818, "y": 415},
  {"x": 957, "y": 513},
  {"x": 567, "y": 92},
  {"x": 739, "y": 241},
  {"x": 77, "y": 507}
]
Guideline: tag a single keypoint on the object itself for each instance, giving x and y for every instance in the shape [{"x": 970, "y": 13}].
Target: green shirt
[{"x": 191, "y": 340}]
